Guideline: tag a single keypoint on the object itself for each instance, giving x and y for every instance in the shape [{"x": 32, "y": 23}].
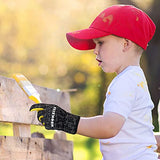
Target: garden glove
[{"x": 55, "y": 118}]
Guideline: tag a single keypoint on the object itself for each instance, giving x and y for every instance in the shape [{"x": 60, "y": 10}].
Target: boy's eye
[{"x": 100, "y": 43}]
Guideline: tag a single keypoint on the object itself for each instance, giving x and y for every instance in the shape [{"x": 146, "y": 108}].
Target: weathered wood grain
[
  {"x": 16, "y": 148},
  {"x": 14, "y": 104}
]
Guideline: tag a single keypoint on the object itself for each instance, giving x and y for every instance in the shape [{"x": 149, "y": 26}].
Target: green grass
[
  {"x": 84, "y": 148},
  {"x": 6, "y": 129}
]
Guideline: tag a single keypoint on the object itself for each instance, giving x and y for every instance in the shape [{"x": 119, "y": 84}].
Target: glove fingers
[
  {"x": 40, "y": 115},
  {"x": 37, "y": 107},
  {"x": 40, "y": 118},
  {"x": 42, "y": 121}
]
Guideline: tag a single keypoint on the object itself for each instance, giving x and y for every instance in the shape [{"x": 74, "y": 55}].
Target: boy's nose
[{"x": 95, "y": 51}]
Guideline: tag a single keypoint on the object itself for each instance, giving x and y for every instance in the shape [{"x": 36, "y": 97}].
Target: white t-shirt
[{"x": 128, "y": 96}]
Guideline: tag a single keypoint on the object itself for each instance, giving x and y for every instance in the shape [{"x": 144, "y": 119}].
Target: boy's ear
[{"x": 127, "y": 44}]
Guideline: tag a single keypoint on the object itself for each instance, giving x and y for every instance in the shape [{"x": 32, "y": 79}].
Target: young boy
[{"x": 118, "y": 35}]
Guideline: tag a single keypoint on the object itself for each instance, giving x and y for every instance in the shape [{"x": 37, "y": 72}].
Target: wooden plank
[
  {"x": 21, "y": 130},
  {"x": 60, "y": 135},
  {"x": 16, "y": 148},
  {"x": 14, "y": 104},
  {"x": 58, "y": 150}
]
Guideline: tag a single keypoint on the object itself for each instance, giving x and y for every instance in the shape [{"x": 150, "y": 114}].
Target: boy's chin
[{"x": 107, "y": 70}]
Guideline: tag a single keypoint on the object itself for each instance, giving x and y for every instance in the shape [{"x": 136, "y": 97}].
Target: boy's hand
[{"x": 55, "y": 118}]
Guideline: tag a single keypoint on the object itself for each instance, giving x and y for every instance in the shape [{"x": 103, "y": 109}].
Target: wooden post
[
  {"x": 60, "y": 135},
  {"x": 14, "y": 108},
  {"x": 21, "y": 130}
]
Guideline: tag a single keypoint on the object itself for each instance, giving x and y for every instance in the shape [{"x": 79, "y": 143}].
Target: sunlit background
[{"x": 33, "y": 42}]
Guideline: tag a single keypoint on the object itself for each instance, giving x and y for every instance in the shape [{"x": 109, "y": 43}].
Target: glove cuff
[{"x": 71, "y": 123}]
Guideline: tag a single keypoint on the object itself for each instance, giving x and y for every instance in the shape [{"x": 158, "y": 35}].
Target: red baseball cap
[{"x": 124, "y": 21}]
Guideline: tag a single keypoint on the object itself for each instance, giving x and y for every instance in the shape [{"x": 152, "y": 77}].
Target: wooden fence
[{"x": 14, "y": 108}]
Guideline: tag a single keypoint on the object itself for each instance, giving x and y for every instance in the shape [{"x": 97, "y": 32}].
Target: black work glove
[{"x": 55, "y": 118}]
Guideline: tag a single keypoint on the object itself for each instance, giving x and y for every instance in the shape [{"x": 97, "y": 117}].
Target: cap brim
[{"x": 83, "y": 39}]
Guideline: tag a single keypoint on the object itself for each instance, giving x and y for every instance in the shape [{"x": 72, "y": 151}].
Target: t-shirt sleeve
[{"x": 120, "y": 97}]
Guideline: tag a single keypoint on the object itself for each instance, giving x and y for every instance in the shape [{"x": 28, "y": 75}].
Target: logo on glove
[{"x": 53, "y": 115}]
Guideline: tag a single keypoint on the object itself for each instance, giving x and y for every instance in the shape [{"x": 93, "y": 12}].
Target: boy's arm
[
  {"x": 101, "y": 127},
  {"x": 55, "y": 118}
]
